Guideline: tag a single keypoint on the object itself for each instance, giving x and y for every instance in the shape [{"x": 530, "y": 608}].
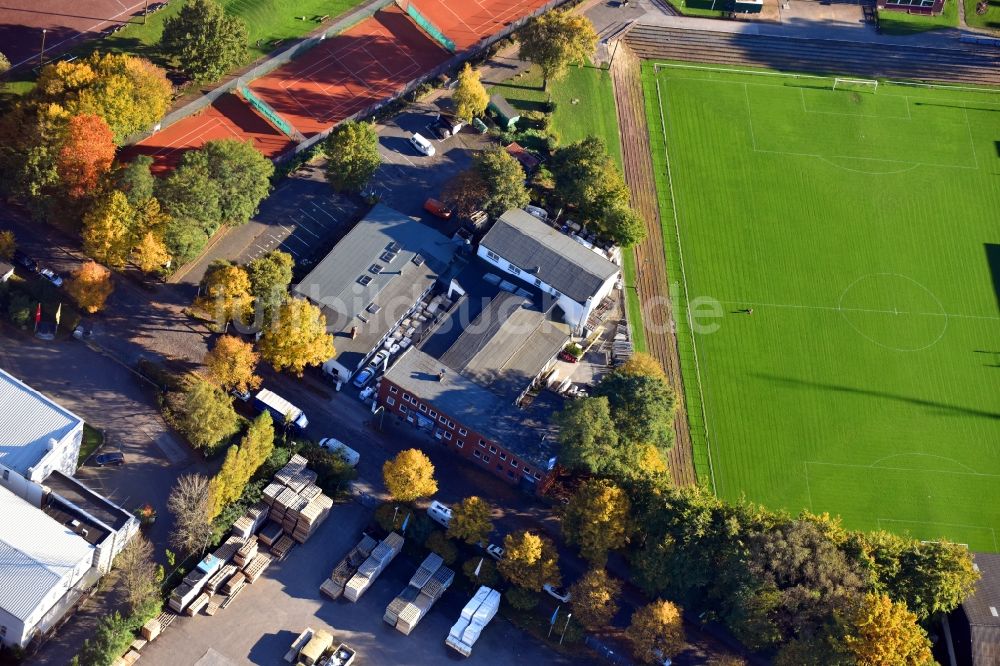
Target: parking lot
[
  {"x": 303, "y": 217},
  {"x": 261, "y": 623},
  {"x": 407, "y": 178}
]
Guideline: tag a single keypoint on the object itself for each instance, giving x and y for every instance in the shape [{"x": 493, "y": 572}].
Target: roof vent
[
  {"x": 364, "y": 280},
  {"x": 993, "y": 611},
  {"x": 388, "y": 256},
  {"x": 418, "y": 260},
  {"x": 375, "y": 268},
  {"x": 373, "y": 308},
  {"x": 53, "y": 443},
  {"x": 393, "y": 247}
]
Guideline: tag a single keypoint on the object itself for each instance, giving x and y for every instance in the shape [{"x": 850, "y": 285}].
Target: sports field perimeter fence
[
  {"x": 449, "y": 65},
  {"x": 367, "y": 10}
]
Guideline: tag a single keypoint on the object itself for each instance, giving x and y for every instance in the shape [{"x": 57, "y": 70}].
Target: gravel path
[{"x": 653, "y": 282}]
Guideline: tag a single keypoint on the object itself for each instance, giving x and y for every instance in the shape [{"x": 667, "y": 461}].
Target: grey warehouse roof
[
  {"x": 35, "y": 553},
  {"x": 373, "y": 276},
  {"x": 546, "y": 253},
  {"x": 28, "y": 420}
]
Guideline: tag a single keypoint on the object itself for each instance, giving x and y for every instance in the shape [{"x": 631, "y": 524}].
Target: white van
[
  {"x": 347, "y": 453},
  {"x": 439, "y": 513},
  {"x": 422, "y": 144}
]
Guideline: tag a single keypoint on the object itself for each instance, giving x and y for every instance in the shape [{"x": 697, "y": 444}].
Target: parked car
[
  {"x": 243, "y": 396},
  {"x": 480, "y": 126},
  {"x": 560, "y": 593},
  {"x": 51, "y": 276},
  {"x": 379, "y": 360},
  {"x": 495, "y": 551},
  {"x": 435, "y": 207},
  {"x": 24, "y": 261},
  {"x": 347, "y": 453},
  {"x": 439, "y": 513},
  {"x": 363, "y": 377},
  {"x": 422, "y": 144},
  {"x": 115, "y": 458},
  {"x": 535, "y": 211},
  {"x": 569, "y": 358}
]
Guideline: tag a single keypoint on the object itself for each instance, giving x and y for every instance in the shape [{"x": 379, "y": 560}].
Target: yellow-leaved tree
[
  {"x": 595, "y": 599},
  {"x": 409, "y": 476},
  {"x": 596, "y": 519},
  {"x": 470, "y": 520},
  {"x": 90, "y": 285},
  {"x": 225, "y": 293},
  {"x": 107, "y": 229},
  {"x": 231, "y": 364},
  {"x": 885, "y": 633},
  {"x": 530, "y": 561},
  {"x": 470, "y": 96},
  {"x": 296, "y": 337},
  {"x": 656, "y": 632}
]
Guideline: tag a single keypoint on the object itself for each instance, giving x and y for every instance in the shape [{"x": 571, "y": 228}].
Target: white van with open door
[{"x": 347, "y": 453}]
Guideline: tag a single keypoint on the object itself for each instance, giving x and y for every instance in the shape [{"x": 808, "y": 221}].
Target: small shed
[
  {"x": 529, "y": 161},
  {"x": 6, "y": 271},
  {"x": 507, "y": 115}
]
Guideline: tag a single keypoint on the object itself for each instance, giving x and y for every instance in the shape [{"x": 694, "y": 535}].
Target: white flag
[{"x": 479, "y": 567}]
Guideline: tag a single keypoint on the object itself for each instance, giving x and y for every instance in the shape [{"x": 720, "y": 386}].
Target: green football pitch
[{"x": 862, "y": 227}]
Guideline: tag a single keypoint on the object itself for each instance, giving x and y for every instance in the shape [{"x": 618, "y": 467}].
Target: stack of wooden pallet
[
  {"x": 226, "y": 551},
  {"x": 271, "y": 533},
  {"x": 311, "y": 517},
  {"x": 333, "y": 586},
  {"x": 246, "y": 552},
  {"x": 282, "y": 546},
  {"x": 256, "y": 567},
  {"x": 219, "y": 578},
  {"x": 234, "y": 584}
]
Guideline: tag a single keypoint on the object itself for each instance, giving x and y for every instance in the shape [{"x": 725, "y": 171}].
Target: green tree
[
  {"x": 504, "y": 180},
  {"x": 470, "y": 520},
  {"x": 934, "y": 577},
  {"x": 224, "y": 292},
  {"x": 31, "y": 135},
  {"x": 135, "y": 179},
  {"x": 297, "y": 337},
  {"x": 487, "y": 571},
  {"x": 641, "y": 406},
  {"x": 624, "y": 226},
  {"x": 7, "y": 244},
  {"x": 352, "y": 156},
  {"x": 470, "y": 96},
  {"x": 191, "y": 194},
  {"x": 184, "y": 239},
  {"x": 595, "y": 599},
  {"x": 137, "y": 574},
  {"x": 240, "y": 464},
  {"x": 270, "y": 276},
  {"x": 242, "y": 174},
  {"x": 409, "y": 476},
  {"x": 587, "y": 436},
  {"x": 656, "y": 632},
  {"x": 204, "y": 41},
  {"x": 521, "y": 599},
  {"x": 438, "y": 543},
  {"x": 555, "y": 40},
  {"x": 109, "y": 640},
  {"x": 596, "y": 519},
  {"x": 207, "y": 416},
  {"x": 530, "y": 561}
]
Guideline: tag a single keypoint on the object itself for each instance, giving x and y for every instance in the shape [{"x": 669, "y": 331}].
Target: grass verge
[
  {"x": 92, "y": 440},
  {"x": 901, "y": 23},
  {"x": 988, "y": 21}
]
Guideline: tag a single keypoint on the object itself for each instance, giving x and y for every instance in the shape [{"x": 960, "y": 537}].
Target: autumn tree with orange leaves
[
  {"x": 90, "y": 286},
  {"x": 86, "y": 154}
]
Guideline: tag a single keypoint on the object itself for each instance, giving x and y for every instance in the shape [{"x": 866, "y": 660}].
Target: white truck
[
  {"x": 282, "y": 410},
  {"x": 475, "y": 616}
]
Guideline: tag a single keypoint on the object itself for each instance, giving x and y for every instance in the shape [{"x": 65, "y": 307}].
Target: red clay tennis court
[
  {"x": 22, "y": 22},
  {"x": 466, "y": 22},
  {"x": 227, "y": 118},
  {"x": 344, "y": 74}
]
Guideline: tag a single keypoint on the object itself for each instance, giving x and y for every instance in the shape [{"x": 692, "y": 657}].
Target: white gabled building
[
  {"x": 57, "y": 537},
  {"x": 38, "y": 437},
  {"x": 44, "y": 568},
  {"x": 577, "y": 277}
]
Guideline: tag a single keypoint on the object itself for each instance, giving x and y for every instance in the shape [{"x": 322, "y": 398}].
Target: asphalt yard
[{"x": 303, "y": 217}]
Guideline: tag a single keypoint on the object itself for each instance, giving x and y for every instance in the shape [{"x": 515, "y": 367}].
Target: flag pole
[{"x": 565, "y": 626}]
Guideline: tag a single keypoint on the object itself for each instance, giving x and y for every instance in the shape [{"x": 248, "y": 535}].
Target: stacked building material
[
  {"x": 200, "y": 602},
  {"x": 311, "y": 492},
  {"x": 282, "y": 546},
  {"x": 475, "y": 616},
  {"x": 247, "y": 552},
  {"x": 234, "y": 584},
  {"x": 311, "y": 517},
  {"x": 226, "y": 551},
  {"x": 369, "y": 570},
  {"x": 271, "y": 533},
  {"x": 426, "y": 586},
  {"x": 219, "y": 578},
  {"x": 250, "y": 522},
  {"x": 272, "y": 490},
  {"x": 256, "y": 567},
  {"x": 151, "y": 629},
  {"x": 298, "y": 644}
]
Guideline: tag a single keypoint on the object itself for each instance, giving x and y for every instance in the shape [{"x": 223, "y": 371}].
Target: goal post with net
[{"x": 856, "y": 85}]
